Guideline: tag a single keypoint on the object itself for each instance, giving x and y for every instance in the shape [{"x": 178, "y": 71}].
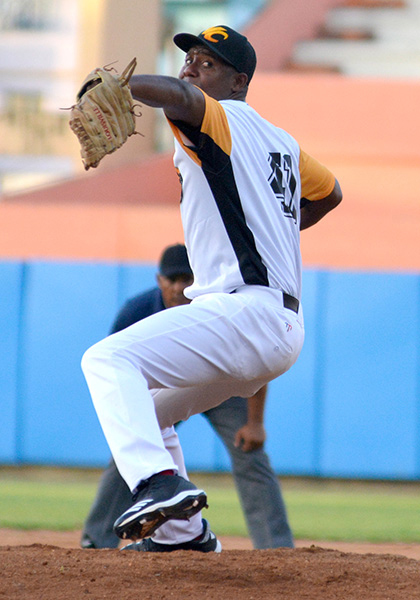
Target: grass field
[{"x": 59, "y": 499}]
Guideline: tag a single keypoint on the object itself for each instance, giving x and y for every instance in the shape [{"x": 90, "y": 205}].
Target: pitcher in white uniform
[{"x": 247, "y": 191}]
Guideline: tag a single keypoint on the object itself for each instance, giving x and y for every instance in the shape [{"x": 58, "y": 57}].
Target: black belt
[{"x": 290, "y": 302}]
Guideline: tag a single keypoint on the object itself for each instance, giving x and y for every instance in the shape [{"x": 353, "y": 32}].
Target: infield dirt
[{"x": 50, "y": 566}]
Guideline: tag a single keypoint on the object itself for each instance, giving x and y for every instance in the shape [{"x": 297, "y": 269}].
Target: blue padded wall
[
  {"x": 350, "y": 407},
  {"x": 371, "y": 404},
  {"x": 67, "y": 308},
  {"x": 12, "y": 282}
]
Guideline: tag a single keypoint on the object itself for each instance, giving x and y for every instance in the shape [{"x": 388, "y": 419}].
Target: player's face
[
  {"x": 172, "y": 289},
  {"x": 205, "y": 70}
]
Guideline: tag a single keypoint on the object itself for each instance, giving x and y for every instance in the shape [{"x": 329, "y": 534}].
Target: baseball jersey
[{"x": 242, "y": 180}]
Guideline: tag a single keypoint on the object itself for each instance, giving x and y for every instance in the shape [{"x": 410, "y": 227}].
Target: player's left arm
[
  {"x": 320, "y": 192},
  {"x": 312, "y": 212},
  {"x": 252, "y": 435},
  {"x": 180, "y": 100}
]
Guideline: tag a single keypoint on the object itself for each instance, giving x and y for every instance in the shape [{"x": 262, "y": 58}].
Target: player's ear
[{"x": 240, "y": 82}]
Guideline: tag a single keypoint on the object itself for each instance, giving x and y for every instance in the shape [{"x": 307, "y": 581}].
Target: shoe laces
[{"x": 139, "y": 489}]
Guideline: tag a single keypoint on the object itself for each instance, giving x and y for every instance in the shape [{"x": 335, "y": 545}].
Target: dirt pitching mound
[{"x": 48, "y": 572}]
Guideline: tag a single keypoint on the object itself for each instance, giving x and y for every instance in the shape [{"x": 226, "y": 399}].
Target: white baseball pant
[{"x": 183, "y": 361}]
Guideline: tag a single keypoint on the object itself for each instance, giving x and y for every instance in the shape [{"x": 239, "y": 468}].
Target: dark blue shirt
[{"x": 137, "y": 308}]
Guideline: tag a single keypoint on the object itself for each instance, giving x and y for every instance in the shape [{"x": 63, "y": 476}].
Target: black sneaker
[
  {"x": 159, "y": 499},
  {"x": 208, "y": 542}
]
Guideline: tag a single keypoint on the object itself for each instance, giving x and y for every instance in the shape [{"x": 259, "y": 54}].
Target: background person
[{"x": 238, "y": 423}]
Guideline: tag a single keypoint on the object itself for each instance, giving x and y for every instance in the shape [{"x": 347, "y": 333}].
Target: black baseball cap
[
  {"x": 231, "y": 46},
  {"x": 174, "y": 261}
]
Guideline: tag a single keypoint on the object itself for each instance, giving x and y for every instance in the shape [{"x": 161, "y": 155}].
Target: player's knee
[
  {"x": 93, "y": 357},
  {"x": 86, "y": 361}
]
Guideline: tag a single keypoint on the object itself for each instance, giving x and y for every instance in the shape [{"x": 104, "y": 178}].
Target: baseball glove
[{"x": 103, "y": 117}]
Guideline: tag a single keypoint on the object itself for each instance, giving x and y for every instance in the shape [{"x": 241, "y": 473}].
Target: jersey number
[{"x": 283, "y": 182}]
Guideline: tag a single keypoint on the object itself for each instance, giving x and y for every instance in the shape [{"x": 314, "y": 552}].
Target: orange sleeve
[
  {"x": 214, "y": 125},
  {"x": 317, "y": 181}
]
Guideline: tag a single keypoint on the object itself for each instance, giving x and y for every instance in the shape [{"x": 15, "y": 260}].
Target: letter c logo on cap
[{"x": 209, "y": 33}]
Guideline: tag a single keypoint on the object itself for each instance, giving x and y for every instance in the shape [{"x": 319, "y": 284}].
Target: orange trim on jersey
[
  {"x": 316, "y": 180},
  {"x": 215, "y": 124},
  {"x": 185, "y": 143}
]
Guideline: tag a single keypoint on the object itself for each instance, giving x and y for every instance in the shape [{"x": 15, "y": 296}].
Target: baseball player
[
  {"x": 242, "y": 184},
  {"x": 237, "y": 421}
]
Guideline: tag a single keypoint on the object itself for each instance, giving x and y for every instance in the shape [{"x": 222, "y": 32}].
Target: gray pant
[{"x": 258, "y": 489}]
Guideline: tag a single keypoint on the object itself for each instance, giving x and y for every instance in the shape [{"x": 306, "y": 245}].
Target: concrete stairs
[{"x": 373, "y": 38}]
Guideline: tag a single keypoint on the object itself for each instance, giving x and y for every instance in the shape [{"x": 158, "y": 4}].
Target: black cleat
[
  {"x": 208, "y": 542},
  {"x": 159, "y": 499}
]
